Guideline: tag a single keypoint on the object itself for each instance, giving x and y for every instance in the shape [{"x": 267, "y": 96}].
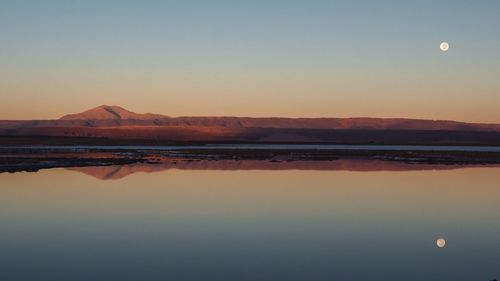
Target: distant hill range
[{"x": 116, "y": 125}]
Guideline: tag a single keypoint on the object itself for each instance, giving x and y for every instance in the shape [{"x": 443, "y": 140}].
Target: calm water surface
[{"x": 251, "y": 225}]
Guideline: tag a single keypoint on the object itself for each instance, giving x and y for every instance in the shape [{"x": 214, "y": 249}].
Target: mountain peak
[{"x": 110, "y": 112}]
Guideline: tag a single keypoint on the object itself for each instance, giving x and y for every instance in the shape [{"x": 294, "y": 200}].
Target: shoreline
[{"x": 17, "y": 159}]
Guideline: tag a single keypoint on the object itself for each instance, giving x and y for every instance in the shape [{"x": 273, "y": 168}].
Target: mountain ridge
[
  {"x": 112, "y": 125},
  {"x": 110, "y": 112},
  {"x": 106, "y": 116}
]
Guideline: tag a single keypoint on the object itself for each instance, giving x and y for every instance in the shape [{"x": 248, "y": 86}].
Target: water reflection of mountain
[{"x": 119, "y": 172}]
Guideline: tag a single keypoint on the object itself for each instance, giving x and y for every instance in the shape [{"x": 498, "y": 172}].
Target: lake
[{"x": 250, "y": 224}]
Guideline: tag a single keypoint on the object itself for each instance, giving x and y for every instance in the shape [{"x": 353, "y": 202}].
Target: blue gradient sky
[{"x": 252, "y": 58}]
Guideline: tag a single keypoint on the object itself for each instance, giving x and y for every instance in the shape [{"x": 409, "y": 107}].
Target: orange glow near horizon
[{"x": 259, "y": 95}]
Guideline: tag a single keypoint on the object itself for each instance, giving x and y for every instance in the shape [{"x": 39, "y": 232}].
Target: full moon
[
  {"x": 440, "y": 243},
  {"x": 444, "y": 46}
]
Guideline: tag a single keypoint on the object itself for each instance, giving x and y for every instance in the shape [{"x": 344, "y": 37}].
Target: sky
[{"x": 252, "y": 58}]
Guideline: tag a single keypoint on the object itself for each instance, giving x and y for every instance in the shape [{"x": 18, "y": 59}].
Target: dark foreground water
[
  {"x": 251, "y": 225},
  {"x": 272, "y": 147}
]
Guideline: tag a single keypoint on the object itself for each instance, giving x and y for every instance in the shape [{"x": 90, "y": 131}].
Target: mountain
[
  {"x": 114, "y": 124},
  {"x": 106, "y": 112},
  {"x": 106, "y": 116}
]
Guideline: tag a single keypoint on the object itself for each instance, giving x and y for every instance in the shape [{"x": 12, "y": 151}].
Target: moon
[
  {"x": 444, "y": 46},
  {"x": 441, "y": 243}
]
